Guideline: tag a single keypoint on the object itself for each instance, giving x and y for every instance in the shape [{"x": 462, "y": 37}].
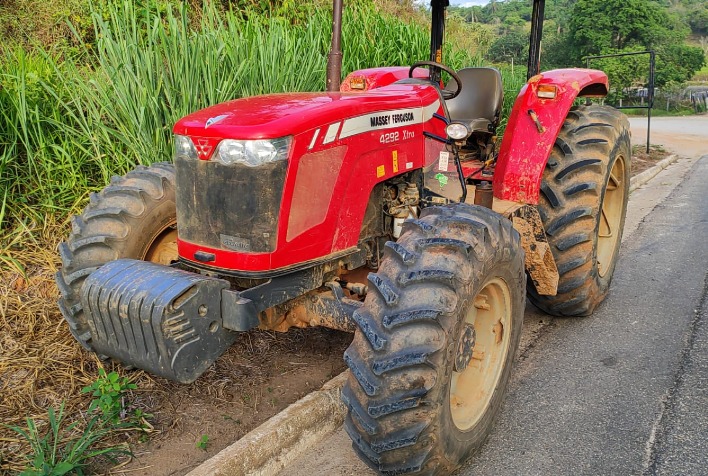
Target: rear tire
[
  {"x": 133, "y": 217},
  {"x": 584, "y": 193},
  {"x": 456, "y": 275}
]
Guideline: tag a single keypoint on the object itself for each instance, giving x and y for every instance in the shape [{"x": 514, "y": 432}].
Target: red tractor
[{"x": 381, "y": 207}]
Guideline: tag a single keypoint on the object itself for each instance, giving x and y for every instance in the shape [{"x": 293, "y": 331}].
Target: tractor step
[{"x": 163, "y": 320}]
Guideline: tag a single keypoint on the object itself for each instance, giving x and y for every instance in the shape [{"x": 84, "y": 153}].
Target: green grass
[
  {"x": 203, "y": 442},
  {"x": 660, "y": 112},
  {"x": 64, "y": 448},
  {"x": 70, "y": 122}
]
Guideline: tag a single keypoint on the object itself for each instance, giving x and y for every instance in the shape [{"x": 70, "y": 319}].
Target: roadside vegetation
[{"x": 68, "y": 447}]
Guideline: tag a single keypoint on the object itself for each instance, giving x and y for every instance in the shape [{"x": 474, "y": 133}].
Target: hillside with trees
[{"x": 573, "y": 29}]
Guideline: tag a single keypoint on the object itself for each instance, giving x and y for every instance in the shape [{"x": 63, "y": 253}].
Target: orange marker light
[
  {"x": 547, "y": 91},
  {"x": 357, "y": 82}
]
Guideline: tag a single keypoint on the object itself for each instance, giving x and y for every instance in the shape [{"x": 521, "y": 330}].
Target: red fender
[{"x": 533, "y": 127}]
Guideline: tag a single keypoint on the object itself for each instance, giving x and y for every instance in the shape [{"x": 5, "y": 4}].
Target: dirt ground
[
  {"x": 261, "y": 375},
  {"x": 41, "y": 365},
  {"x": 641, "y": 160}
]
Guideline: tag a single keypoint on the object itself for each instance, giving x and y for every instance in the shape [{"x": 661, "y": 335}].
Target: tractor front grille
[{"x": 230, "y": 207}]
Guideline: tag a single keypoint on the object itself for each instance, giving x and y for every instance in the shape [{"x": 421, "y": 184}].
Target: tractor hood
[
  {"x": 253, "y": 219},
  {"x": 278, "y": 115}
]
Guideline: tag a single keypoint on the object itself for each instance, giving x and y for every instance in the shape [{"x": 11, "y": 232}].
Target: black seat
[{"x": 480, "y": 101}]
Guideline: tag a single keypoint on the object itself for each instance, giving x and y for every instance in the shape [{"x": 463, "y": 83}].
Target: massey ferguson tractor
[{"x": 382, "y": 206}]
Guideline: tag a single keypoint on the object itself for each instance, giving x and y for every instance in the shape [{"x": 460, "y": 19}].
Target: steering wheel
[{"x": 445, "y": 93}]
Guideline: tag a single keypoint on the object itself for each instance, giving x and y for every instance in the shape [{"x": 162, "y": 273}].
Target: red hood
[{"x": 279, "y": 115}]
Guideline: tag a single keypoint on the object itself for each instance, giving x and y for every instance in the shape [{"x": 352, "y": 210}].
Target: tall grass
[
  {"x": 39, "y": 160},
  {"x": 66, "y": 126}
]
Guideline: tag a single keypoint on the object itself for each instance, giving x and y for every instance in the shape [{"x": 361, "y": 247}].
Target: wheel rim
[
  {"x": 163, "y": 246},
  {"x": 608, "y": 231},
  {"x": 472, "y": 388}
]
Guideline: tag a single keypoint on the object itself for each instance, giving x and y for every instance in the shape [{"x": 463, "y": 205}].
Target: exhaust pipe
[
  {"x": 534, "y": 64},
  {"x": 334, "y": 59}
]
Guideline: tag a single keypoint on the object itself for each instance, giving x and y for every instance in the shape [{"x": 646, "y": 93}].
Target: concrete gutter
[
  {"x": 282, "y": 439},
  {"x": 269, "y": 448},
  {"x": 642, "y": 178}
]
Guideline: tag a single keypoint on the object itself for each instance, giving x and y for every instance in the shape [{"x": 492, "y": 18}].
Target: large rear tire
[
  {"x": 583, "y": 204},
  {"x": 133, "y": 217},
  {"x": 436, "y": 340}
]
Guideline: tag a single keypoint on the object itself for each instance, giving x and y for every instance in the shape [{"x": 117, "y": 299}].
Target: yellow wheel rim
[
  {"x": 472, "y": 387},
  {"x": 608, "y": 231},
  {"x": 163, "y": 246}
]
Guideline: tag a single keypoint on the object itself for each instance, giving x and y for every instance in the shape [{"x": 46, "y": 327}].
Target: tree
[
  {"x": 512, "y": 46},
  {"x": 703, "y": 41},
  {"x": 674, "y": 64},
  {"x": 613, "y": 26},
  {"x": 624, "y": 72},
  {"x": 678, "y": 63},
  {"x": 555, "y": 52},
  {"x": 698, "y": 20},
  {"x": 605, "y": 25}
]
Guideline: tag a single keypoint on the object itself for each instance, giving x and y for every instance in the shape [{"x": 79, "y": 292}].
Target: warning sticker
[
  {"x": 395, "y": 161},
  {"x": 380, "y": 171},
  {"x": 443, "y": 161}
]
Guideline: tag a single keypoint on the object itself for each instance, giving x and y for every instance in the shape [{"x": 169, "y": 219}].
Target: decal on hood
[
  {"x": 215, "y": 119},
  {"x": 388, "y": 119}
]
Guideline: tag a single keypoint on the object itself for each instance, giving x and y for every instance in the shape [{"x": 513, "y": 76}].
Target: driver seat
[{"x": 479, "y": 103}]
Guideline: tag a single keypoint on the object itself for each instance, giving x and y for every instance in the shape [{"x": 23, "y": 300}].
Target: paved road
[
  {"x": 621, "y": 392},
  {"x": 686, "y": 136},
  {"x": 624, "y": 391}
]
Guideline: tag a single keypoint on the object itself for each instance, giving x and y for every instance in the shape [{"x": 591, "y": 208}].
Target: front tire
[
  {"x": 583, "y": 204},
  {"x": 436, "y": 340},
  {"x": 133, "y": 217}
]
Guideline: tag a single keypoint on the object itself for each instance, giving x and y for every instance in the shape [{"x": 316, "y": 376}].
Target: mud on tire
[
  {"x": 404, "y": 413},
  {"x": 584, "y": 194},
  {"x": 133, "y": 217}
]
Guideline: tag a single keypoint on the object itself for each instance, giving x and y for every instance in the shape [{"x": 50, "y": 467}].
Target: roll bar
[{"x": 437, "y": 32}]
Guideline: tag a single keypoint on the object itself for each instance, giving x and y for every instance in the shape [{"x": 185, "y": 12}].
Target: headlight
[
  {"x": 457, "y": 131},
  {"x": 184, "y": 147},
  {"x": 253, "y": 152}
]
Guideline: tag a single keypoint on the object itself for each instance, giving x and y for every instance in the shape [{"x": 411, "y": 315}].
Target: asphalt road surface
[{"x": 625, "y": 391}]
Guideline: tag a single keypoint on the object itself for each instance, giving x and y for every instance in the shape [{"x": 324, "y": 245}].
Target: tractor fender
[{"x": 533, "y": 127}]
